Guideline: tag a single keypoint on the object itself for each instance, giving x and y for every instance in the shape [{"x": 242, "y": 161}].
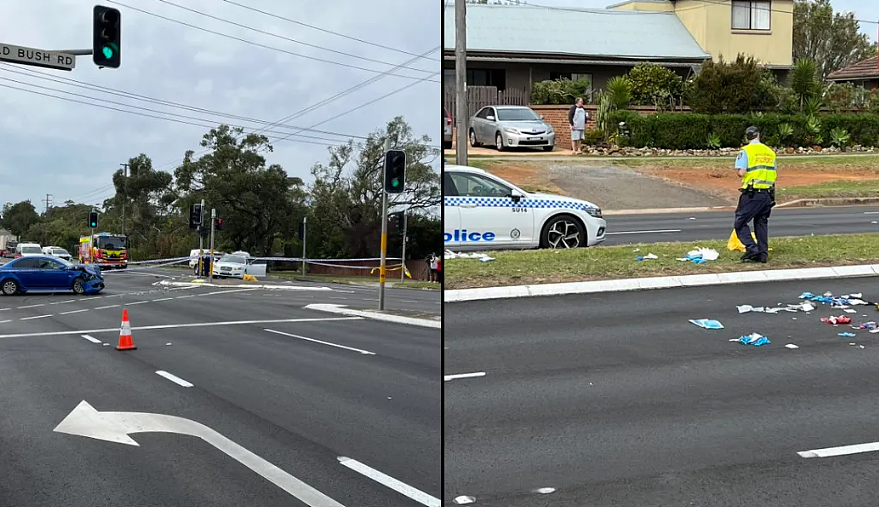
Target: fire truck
[{"x": 104, "y": 249}]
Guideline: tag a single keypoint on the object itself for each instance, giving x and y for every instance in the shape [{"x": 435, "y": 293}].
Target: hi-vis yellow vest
[{"x": 761, "y": 173}]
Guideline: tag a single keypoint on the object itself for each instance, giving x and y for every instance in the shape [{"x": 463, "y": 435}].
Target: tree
[
  {"x": 19, "y": 217},
  {"x": 655, "y": 85},
  {"x": 831, "y": 39},
  {"x": 741, "y": 86}
]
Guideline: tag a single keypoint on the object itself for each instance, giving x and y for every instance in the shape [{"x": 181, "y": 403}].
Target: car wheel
[
  {"x": 563, "y": 231},
  {"x": 548, "y": 148},
  {"x": 499, "y": 142},
  {"x": 473, "y": 141},
  {"x": 10, "y": 287},
  {"x": 447, "y": 145},
  {"x": 78, "y": 287}
]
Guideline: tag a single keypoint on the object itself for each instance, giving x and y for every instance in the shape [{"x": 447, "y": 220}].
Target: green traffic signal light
[
  {"x": 108, "y": 52},
  {"x": 396, "y": 182}
]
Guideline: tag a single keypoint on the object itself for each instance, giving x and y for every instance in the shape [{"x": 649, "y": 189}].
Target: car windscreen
[
  {"x": 31, "y": 250},
  {"x": 111, "y": 243},
  {"x": 60, "y": 251},
  {"x": 234, "y": 259},
  {"x": 518, "y": 114}
]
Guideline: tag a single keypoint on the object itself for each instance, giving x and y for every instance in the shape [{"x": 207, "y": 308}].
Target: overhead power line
[
  {"x": 313, "y": 27},
  {"x": 246, "y": 41},
  {"x": 271, "y": 34}
]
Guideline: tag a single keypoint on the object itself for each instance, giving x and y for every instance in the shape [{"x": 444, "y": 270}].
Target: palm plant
[
  {"x": 839, "y": 137},
  {"x": 713, "y": 141},
  {"x": 619, "y": 92},
  {"x": 804, "y": 79},
  {"x": 785, "y": 132}
]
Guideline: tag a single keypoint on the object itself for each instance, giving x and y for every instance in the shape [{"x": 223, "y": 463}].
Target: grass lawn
[
  {"x": 838, "y": 188},
  {"x": 615, "y": 262}
]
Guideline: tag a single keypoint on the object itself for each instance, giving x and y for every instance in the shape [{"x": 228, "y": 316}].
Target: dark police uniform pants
[{"x": 754, "y": 206}]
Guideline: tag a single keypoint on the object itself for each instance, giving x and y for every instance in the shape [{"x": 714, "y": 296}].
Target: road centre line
[
  {"x": 388, "y": 481},
  {"x": 162, "y": 299},
  {"x": 187, "y": 296},
  {"x": 105, "y": 307},
  {"x": 177, "y": 326},
  {"x": 137, "y": 303},
  {"x": 840, "y": 451},
  {"x": 643, "y": 232},
  {"x": 91, "y": 338},
  {"x": 75, "y": 311},
  {"x": 174, "y": 378},
  {"x": 37, "y": 317},
  {"x": 31, "y": 306},
  {"x": 446, "y": 378},
  {"x": 5, "y": 321},
  {"x": 365, "y": 352},
  {"x": 228, "y": 291}
]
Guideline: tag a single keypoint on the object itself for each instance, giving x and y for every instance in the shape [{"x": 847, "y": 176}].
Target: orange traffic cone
[{"x": 125, "y": 340}]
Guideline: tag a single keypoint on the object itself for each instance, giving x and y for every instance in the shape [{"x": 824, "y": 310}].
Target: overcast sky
[
  {"x": 54, "y": 146},
  {"x": 863, "y": 9}
]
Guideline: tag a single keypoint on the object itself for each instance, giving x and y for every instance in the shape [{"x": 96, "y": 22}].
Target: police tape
[
  {"x": 393, "y": 268},
  {"x": 151, "y": 265},
  {"x": 160, "y": 263}
]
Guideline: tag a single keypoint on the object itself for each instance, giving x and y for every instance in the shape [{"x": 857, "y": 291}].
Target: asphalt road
[
  {"x": 617, "y": 400},
  {"x": 654, "y": 228},
  {"x": 300, "y": 393}
]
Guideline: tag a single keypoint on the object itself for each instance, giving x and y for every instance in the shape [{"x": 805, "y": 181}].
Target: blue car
[{"x": 40, "y": 273}]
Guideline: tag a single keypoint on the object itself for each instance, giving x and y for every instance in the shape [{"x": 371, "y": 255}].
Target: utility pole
[
  {"x": 48, "y": 204},
  {"x": 384, "y": 241},
  {"x": 462, "y": 109},
  {"x": 403, "y": 255},
  {"x": 124, "y": 193},
  {"x": 211, "y": 265},
  {"x": 201, "y": 240},
  {"x": 304, "y": 235}
]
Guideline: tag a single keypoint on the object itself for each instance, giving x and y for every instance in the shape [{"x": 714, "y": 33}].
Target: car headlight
[
  {"x": 511, "y": 131},
  {"x": 549, "y": 129},
  {"x": 595, "y": 212}
]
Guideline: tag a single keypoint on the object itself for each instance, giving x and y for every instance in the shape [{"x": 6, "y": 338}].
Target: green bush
[
  {"x": 741, "y": 86},
  {"x": 693, "y": 131},
  {"x": 559, "y": 91},
  {"x": 655, "y": 85},
  {"x": 593, "y": 137}
]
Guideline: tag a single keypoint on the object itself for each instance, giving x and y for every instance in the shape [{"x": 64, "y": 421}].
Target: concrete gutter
[
  {"x": 648, "y": 211},
  {"x": 665, "y": 282}
]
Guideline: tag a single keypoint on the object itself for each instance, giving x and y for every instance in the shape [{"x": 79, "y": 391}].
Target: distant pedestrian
[
  {"x": 439, "y": 270},
  {"x": 433, "y": 262},
  {"x": 758, "y": 168},
  {"x": 577, "y": 117}
]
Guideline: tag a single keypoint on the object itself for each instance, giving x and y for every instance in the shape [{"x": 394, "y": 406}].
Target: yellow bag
[{"x": 735, "y": 244}]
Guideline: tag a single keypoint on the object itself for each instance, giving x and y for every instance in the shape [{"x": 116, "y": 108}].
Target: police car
[{"x": 482, "y": 211}]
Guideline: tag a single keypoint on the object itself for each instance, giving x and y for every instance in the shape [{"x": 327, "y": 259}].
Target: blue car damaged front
[{"x": 49, "y": 274}]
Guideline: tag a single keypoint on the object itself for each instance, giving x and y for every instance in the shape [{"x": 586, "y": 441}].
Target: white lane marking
[
  {"x": 136, "y": 303},
  {"x": 409, "y": 301},
  {"x": 4, "y": 321},
  {"x": 388, "y": 481},
  {"x": 75, "y": 311},
  {"x": 365, "y": 352},
  {"x": 5, "y": 309},
  {"x": 105, "y": 307},
  {"x": 89, "y": 299},
  {"x": 91, "y": 338},
  {"x": 177, "y": 326},
  {"x": 188, "y": 296},
  {"x": 871, "y": 212},
  {"x": 228, "y": 291},
  {"x": 174, "y": 378},
  {"x": 346, "y": 291},
  {"x": 447, "y": 378},
  {"x": 31, "y": 306},
  {"x": 840, "y": 451},
  {"x": 336, "y": 298},
  {"x": 644, "y": 232},
  {"x": 370, "y": 299},
  {"x": 68, "y": 301},
  {"x": 37, "y": 317},
  {"x": 162, "y": 299}
]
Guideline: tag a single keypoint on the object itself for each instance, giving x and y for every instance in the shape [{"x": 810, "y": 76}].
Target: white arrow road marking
[
  {"x": 85, "y": 421},
  {"x": 174, "y": 378},
  {"x": 386, "y": 480},
  {"x": 174, "y": 326},
  {"x": 447, "y": 378},
  {"x": 840, "y": 451},
  {"x": 366, "y": 352}
]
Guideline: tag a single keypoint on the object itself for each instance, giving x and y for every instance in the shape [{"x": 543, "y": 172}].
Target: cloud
[{"x": 70, "y": 150}]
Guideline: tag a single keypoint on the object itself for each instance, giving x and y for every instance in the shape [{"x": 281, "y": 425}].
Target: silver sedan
[{"x": 509, "y": 127}]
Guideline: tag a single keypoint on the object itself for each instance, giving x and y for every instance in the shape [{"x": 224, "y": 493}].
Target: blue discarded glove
[{"x": 755, "y": 339}]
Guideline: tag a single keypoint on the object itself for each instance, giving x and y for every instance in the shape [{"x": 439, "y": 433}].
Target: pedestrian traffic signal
[
  {"x": 195, "y": 216},
  {"x": 93, "y": 219},
  {"x": 219, "y": 224},
  {"x": 395, "y": 222},
  {"x": 395, "y": 171},
  {"x": 107, "y": 37}
]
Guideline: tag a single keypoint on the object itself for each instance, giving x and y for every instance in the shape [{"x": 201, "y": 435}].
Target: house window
[
  {"x": 575, "y": 76},
  {"x": 487, "y": 77},
  {"x": 751, "y": 15}
]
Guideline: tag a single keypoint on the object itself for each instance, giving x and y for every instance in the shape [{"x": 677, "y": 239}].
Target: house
[
  {"x": 513, "y": 46},
  {"x": 863, "y": 74}
]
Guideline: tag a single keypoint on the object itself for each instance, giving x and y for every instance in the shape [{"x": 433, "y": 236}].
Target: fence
[{"x": 481, "y": 96}]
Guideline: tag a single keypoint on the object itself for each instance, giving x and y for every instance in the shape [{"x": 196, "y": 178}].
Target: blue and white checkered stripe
[{"x": 495, "y": 202}]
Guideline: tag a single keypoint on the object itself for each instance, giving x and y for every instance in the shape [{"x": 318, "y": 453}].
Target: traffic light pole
[
  {"x": 211, "y": 265},
  {"x": 403, "y": 255},
  {"x": 304, "y": 236},
  {"x": 384, "y": 241},
  {"x": 200, "y": 243}
]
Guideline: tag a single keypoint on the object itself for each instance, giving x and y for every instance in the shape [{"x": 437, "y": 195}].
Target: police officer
[{"x": 757, "y": 166}]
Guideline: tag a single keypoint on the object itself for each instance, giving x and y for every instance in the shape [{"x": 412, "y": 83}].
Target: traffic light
[
  {"x": 395, "y": 222},
  {"x": 395, "y": 171},
  {"x": 107, "y": 37},
  {"x": 219, "y": 224},
  {"x": 93, "y": 219},
  {"x": 195, "y": 216}
]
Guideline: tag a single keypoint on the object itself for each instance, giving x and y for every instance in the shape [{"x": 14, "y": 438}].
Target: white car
[
  {"x": 236, "y": 265},
  {"x": 27, "y": 249},
  {"x": 484, "y": 212},
  {"x": 57, "y": 251}
]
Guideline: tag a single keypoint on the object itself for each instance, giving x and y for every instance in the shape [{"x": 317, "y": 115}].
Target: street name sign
[{"x": 37, "y": 57}]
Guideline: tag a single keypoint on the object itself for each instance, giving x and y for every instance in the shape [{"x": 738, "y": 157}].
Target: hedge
[{"x": 686, "y": 131}]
